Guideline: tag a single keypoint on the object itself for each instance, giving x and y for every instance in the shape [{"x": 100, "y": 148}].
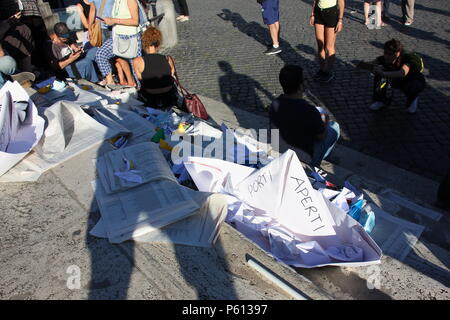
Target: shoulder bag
[
  {"x": 191, "y": 102},
  {"x": 128, "y": 47},
  {"x": 96, "y": 29}
]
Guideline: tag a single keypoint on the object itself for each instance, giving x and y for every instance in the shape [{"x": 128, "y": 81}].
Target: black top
[
  {"x": 156, "y": 76},
  {"x": 86, "y": 9},
  {"x": 298, "y": 121},
  {"x": 412, "y": 61}
]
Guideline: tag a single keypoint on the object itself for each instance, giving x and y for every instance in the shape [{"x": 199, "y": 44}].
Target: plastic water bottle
[
  {"x": 367, "y": 220},
  {"x": 372, "y": 17}
]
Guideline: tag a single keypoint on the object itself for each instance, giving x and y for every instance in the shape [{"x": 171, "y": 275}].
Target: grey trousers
[{"x": 408, "y": 10}]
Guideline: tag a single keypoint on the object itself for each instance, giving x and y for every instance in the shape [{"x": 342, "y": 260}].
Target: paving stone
[{"x": 233, "y": 33}]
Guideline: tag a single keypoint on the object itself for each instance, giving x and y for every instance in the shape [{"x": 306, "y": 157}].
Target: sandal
[
  {"x": 101, "y": 83},
  {"x": 369, "y": 25}
]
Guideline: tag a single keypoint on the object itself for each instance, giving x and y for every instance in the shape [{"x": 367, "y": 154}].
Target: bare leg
[
  {"x": 120, "y": 73},
  {"x": 330, "y": 50},
  {"x": 274, "y": 30},
  {"x": 127, "y": 70},
  {"x": 366, "y": 12},
  {"x": 379, "y": 6},
  {"x": 320, "y": 38},
  {"x": 109, "y": 79}
]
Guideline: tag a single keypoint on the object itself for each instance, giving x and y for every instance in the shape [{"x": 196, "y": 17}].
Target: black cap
[{"x": 61, "y": 30}]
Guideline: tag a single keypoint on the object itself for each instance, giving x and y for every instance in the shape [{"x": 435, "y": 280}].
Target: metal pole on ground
[{"x": 269, "y": 275}]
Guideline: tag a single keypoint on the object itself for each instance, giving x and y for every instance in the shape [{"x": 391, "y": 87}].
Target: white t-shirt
[
  {"x": 61, "y": 51},
  {"x": 325, "y": 4}
]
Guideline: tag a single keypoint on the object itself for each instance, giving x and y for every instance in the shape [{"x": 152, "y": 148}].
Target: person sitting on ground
[
  {"x": 98, "y": 10},
  {"x": 156, "y": 72},
  {"x": 125, "y": 21},
  {"x": 68, "y": 56},
  {"x": 400, "y": 70},
  {"x": 300, "y": 123},
  {"x": 7, "y": 67},
  {"x": 15, "y": 37}
]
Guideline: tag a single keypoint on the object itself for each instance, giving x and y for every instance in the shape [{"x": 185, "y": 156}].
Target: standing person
[
  {"x": 408, "y": 12},
  {"x": 300, "y": 123},
  {"x": 385, "y": 14},
  {"x": 97, "y": 12},
  {"x": 398, "y": 69},
  {"x": 327, "y": 19},
  {"x": 184, "y": 11},
  {"x": 378, "y": 12},
  {"x": 443, "y": 194},
  {"x": 125, "y": 21},
  {"x": 31, "y": 17},
  {"x": 271, "y": 17},
  {"x": 84, "y": 9}
]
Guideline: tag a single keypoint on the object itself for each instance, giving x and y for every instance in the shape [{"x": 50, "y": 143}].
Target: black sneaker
[
  {"x": 326, "y": 77},
  {"x": 319, "y": 75},
  {"x": 273, "y": 50}
]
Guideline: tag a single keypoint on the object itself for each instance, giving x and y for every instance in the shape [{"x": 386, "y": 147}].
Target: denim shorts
[{"x": 270, "y": 12}]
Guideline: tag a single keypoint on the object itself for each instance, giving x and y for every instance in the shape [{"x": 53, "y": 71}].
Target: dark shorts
[
  {"x": 270, "y": 12},
  {"x": 328, "y": 17}
]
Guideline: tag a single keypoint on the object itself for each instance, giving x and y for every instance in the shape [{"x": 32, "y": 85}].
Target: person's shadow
[
  {"x": 258, "y": 33},
  {"x": 289, "y": 55},
  {"x": 391, "y": 128},
  {"x": 235, "y": 94},
  {"x": 114, "y": 267}
]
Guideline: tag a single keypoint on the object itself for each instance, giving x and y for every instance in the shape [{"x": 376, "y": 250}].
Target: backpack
[{"x": 417, "y": 60}]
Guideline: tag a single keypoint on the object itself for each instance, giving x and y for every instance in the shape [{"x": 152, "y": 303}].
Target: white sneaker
[
  {"x": 413, "y": 106},
  {"x": 377, "y": 105},
  {"x": 183, "y": 19},
  {"x": 25, "y": 79}
]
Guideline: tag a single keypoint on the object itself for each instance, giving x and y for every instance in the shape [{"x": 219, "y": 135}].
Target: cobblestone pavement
[{"x": 220, "y": 55}]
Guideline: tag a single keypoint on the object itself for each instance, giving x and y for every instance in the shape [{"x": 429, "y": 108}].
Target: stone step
[
  {"x": 420, "y": 270},
  {"x": 45, "y": 9}
]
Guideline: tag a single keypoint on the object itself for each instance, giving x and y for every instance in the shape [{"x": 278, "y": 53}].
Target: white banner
[{"x": 282, "y": 189}]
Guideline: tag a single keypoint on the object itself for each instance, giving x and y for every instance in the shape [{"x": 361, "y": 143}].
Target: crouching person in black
[
  {"x": 300, "y": 123},
  {"x": 400, "y": 70}
]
